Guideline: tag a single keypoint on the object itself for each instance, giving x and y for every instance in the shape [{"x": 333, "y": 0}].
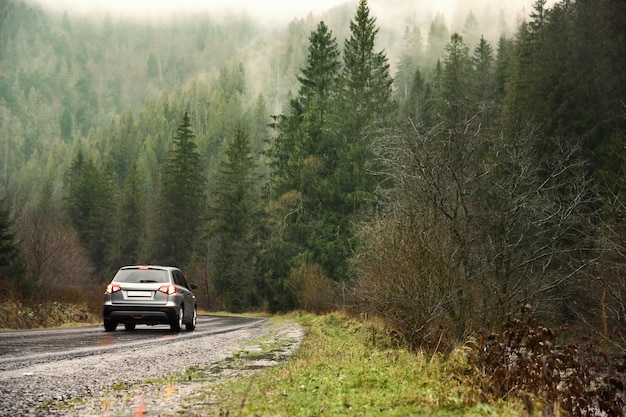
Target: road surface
[
  {"x": 86, "y": 371},
  {"x": 22, "y": 347}
]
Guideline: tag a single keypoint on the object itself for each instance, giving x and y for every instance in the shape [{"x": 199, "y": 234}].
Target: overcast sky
[{"x": 269, "y": 9}]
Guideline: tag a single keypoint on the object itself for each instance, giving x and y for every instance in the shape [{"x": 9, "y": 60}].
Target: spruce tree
[
  {"x": 181, "y": 201},
  {"x": 233, "y": 225},
  {"x": 305, "y": 205},
  {"x": 365, "y": 108},
  {"x": 482, "y": 89},
  {"x": 304, "y": 130},
  {"x": 130, "y": 222},
  {"x": 89, "y": 204},
  {"x": 455, "y": 86},
  {"x": 366, "y": 82},
  {"x": 13, "y": 276}
]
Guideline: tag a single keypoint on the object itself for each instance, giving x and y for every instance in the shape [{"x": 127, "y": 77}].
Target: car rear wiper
[{"x": 143, "y": 281}]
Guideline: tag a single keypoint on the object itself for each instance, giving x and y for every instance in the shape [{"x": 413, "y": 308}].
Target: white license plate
[{"x": 140, "y": 293}]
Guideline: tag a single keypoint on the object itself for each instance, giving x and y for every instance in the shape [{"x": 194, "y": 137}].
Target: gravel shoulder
[{"x": 157, "y": 380}]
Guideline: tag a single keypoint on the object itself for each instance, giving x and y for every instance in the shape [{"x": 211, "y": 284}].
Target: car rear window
[{"x": 141, "y": 275}]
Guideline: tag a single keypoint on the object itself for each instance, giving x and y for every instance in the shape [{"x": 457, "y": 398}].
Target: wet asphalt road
[{"x": 33, "y": 346}]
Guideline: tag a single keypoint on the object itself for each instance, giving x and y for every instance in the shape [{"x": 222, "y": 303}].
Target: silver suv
[{"x": 149, "y": 295}]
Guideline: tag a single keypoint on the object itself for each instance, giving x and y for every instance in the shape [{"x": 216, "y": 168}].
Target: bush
[
  {"x": 524, "y": 360},
  {"x": 18, "y": 315},
  {"x": 411, "y": 278},
  {"x": 314, "y": 291}
]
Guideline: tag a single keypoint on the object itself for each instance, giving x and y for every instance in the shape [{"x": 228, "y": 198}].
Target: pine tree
[
  {"x": 455, "y": 87},
  {"x": 130, "y": 222},
  {"x": 438, "y": 36},
  {"x": 471, "y": 30},
  {"x": 181, "y": 201},
  {"x": 418, "y": 107},
  {"x": 12, "y": 265},
  {"x": 234, "y": 218},
  {"x": 482, "y": 65},
  {"x": 304, "y": 130},
  {"x": 366, "y": 83},
  {"x": 482, "y": 89},
  {"x": 502, "y": 66},
  {"x": 305, "y": 159},
  {"x": 524, "y": 102},
  {"x": 410, "y": 55},
  {"x": 89, "y": 203},
  {"x": 365, "y": 108}
]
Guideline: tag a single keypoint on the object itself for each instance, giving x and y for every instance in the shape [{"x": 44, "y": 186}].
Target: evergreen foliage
[
  {"x": 365, "y": 79},
  {"x": 181, "y": 201},
  {"x": 130, "y": 225},
  {"x": 13, "y": 274},
  {"x": 89, "y": 204},
  {"x": 454, "y": 87},
  {"x": 364, "y": 109},
  {"x": 304, "y": 160},
  {"x": 234, "y": 225}
]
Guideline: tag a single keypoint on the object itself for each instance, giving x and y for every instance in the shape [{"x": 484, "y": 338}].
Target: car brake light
[
  {"x": 111, "y": 288},
  {"x": 167, "y": 289}
]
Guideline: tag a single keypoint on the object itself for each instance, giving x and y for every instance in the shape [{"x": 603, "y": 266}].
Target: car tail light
[
  {"x": 167, "y": 289},
  {"x": 111, "y": 288}
]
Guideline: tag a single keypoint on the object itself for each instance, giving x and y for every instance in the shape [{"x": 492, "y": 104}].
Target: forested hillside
[{"x": 434, "y": 176}]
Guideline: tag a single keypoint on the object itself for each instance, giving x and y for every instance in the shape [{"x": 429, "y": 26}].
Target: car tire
[
  {"x": 129, "y": 326},
  {"x": 110, "y": 325},
  {"x": 191, "y": 326},
  {"x": 177, "y": 323}
]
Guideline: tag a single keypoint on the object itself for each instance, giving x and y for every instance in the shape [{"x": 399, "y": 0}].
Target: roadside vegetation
[
  {"x": 348, "y": 366},
  {"x": 355, "y": 366},
  {"x": 17, "y": 315}
]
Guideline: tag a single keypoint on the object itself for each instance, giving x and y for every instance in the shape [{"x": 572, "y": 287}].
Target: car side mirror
[{"x": 193, "y": 286}]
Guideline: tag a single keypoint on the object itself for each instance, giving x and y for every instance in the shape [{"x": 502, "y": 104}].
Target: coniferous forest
[{"x": 439, "y": 179}]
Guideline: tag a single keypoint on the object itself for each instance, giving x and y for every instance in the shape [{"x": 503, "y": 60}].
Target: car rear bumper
[{"x": 140, "y": 314}]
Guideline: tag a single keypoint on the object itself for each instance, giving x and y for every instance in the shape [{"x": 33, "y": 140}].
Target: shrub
[
  {"x": 411, "y": 278},
  {"x": 524, "y": 360},
  {"x": 17, "y": 315},
  {"x": 313, "y": 289}
]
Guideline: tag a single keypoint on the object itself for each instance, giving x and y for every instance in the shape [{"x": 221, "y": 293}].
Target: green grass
[{"x": 348, "y": 367}]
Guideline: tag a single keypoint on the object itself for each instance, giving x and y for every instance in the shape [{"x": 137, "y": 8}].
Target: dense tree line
[
  {"x": 503, "y": 191},
  {"x": 483, "y": 176}
]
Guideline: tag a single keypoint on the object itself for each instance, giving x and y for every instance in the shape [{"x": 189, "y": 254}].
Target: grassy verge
[{"x": 347, "y": 367}]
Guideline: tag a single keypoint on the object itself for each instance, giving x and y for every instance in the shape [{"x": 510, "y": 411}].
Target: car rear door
[{"x": 188, "y": 297}]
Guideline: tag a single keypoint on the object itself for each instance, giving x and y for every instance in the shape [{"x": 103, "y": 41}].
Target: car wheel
[
  {"x": 192, "y": 324},
  {"x": 110, "y": 325},
  {"x": 129, "y": 326},
  {"x": 177, "y": 323}
]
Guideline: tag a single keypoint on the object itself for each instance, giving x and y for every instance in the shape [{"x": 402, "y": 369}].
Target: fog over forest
[{"x": 392, "y": 15}]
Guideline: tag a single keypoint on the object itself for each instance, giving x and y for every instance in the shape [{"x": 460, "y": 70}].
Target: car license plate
[{"x": 140, "y": 293}]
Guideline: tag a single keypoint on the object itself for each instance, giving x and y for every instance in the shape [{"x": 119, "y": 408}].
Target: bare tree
[
  {"x": 533, "y": 210},
  {"x": 473, "y": 226},
  {"x": 54, "y": 255}
]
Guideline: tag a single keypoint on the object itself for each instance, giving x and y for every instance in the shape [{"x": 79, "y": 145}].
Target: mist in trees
[{"x": 437, "y": 179}]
